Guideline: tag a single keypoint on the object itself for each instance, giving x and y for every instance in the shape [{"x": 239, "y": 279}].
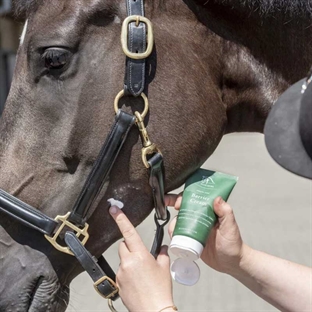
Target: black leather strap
[
  {"x": 161, "y": 212},
  {"x": 102, "y": 166},
  {"x": 159, "y": 235},
  {"x": 156, "y": 182},
  {"x": 135, "y": 69},
  {"x": 98, "y": 270},
  {"x": 26, "y": 214}
]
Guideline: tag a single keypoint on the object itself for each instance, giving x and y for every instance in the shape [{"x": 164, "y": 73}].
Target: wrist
[{"x": 244, "y": 261}]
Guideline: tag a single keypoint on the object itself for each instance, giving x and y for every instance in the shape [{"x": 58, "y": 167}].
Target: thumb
[
  {"x": 163, "y": 257},
  {"x": 221, "y": 208},
  {"x": 171, "y": 226}
]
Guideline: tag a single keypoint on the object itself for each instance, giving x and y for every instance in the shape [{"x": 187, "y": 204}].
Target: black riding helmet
[{"x": 288, "y": 129}]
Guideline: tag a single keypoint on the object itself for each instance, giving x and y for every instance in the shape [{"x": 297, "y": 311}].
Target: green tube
[
  {"x": 196, "y": 216},
  {"x": 195, "y": 220}
]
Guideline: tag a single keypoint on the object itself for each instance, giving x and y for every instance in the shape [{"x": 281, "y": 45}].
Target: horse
[{"x": 216, "y": 67}]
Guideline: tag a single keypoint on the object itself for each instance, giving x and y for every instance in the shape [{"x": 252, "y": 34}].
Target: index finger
[
  {"x": 132, "y": 238},
  {"x": 173, "y": 200}
]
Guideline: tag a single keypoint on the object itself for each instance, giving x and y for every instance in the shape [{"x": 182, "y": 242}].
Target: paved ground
[{"x": 274, "y": 212}]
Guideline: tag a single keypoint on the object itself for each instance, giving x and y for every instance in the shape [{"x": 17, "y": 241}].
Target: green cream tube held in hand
[{"x": 195, "y": 220}]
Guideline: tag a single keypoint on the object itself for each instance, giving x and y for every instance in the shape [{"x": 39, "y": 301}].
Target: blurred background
[
  {"x": 273, "y": 209},
  {"x": 10, "y": 31},
  {"x": 272, "y": 206}
]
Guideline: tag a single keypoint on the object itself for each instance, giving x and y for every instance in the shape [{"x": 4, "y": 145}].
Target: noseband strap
[{"x": 26, "y": 214}]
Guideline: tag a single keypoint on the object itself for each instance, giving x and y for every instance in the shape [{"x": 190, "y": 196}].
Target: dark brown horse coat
[{"x": 217, "y": 67}]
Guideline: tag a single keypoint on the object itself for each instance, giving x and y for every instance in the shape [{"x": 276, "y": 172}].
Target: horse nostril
[{"x": 71, "y": 163}]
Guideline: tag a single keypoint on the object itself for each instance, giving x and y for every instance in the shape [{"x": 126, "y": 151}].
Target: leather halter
[{"x": 137, "y": 44}]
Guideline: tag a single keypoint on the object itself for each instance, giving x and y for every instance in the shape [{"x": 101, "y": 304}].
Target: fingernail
[
  {"x": 113, "y": 209},
  {"x": 221, "y": 201}
]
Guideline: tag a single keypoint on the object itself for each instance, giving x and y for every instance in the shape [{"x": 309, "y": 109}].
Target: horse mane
[
  {"x": 265, "y": 7},
  {"x": 22, "y": 8}
]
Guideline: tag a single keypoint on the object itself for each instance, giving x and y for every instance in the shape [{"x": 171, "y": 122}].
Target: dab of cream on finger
[{"x": 114, "y": 202}]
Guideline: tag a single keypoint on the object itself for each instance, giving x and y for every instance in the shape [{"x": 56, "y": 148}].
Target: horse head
[{"x": 70, "y": 67}]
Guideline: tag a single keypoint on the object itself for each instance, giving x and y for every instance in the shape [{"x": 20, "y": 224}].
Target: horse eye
[{"x": 56, "y": 58}]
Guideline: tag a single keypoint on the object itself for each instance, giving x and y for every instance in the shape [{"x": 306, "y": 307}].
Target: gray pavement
[{"x": 274, "y": 211}]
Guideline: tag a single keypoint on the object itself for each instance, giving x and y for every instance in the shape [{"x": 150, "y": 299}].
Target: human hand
[
  {"x": 224, "y": 247},
  {"x": 144, "y": 283}
]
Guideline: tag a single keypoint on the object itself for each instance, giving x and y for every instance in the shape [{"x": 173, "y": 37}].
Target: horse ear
[{"x": 22, "y": 8}]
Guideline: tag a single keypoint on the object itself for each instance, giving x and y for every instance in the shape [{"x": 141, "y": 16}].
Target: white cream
[{"x": 115, "y": 202}]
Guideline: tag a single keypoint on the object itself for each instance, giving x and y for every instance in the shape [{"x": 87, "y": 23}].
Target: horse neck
[
  {"x": 269, "y": 37},
  {"x": 260, "y": 56}
]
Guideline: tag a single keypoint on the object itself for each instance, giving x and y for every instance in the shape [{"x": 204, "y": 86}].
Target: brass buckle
[
  {"x": 63, "y": 222},
  {"x": 102, "y": 279},
  {"x": 122, "y": 93},
  {"x": 124, "y": 36}
]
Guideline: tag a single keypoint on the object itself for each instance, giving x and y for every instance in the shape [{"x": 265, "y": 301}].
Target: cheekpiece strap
[
  {"x": 102, "y": 166},
  {"x": 162, "y": 215},
  {"x": 156, "y": 182},
  {"x": 135, "y": 68},
  {"x": 159, "y": 235}
]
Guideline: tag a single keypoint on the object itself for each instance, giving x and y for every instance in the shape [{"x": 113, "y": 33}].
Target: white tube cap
[
  {"x": 185, "y": 271},
  {"x": 186, "y": 247}
]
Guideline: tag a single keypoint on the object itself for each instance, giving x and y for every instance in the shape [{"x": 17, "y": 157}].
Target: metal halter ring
[
  {"x": 65, "y": 223},
  {"x": 111, "y": 306},
  {"x": 122, "y": 93}
]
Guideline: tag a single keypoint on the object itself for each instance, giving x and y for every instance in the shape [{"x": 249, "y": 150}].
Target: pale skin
[
  {"x": 144, "y": 283},
  {"x": 285, "y": 285}
]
